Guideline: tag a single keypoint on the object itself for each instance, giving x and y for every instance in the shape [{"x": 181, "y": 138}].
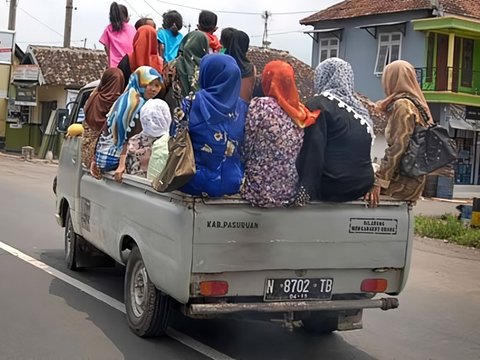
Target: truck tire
[
  {"x": 320, "y": 323},
  {"x": 71, "y": 240},
  {"x": 148, "y": 309}
]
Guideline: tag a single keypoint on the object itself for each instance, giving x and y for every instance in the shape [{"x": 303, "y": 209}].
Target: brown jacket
[{"x": 402, "y": 116}]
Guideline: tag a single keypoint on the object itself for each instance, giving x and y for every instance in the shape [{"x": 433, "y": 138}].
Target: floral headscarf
[
  {"x": 335, "y": 76},
  {"x": 278, "y": 81},
  {"x": 193, "y": 47},
  {"x": 155, "y": 118},
  {"x": 122, "y": 116}
]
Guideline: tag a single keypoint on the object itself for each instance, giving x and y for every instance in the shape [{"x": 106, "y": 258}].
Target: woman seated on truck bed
[
  {"x": 123, "y": 120},
  {"x": 334, "y": 163},
  {"x": 273, "y": 138},
  {"x": 155, "y": 119},
  {"x": 405, "y": 106},
  {"x": 216, "y": 126},
  {"x": 96, "y": 109}
]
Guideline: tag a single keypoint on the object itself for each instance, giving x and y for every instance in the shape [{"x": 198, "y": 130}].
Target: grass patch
[{"x": 447, "y": 227}]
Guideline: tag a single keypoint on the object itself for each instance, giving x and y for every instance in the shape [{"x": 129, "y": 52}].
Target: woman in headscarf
[
  {"x": 155, "y": 119},
  {"x": 405, "y": 107},
  {"x": 123, "y": 119},
  {"x": 273, "y": 138},
  {"x": 236, "y": 45},
  {"x": 145, "y": 53},
  {"x": 96, "y": 109},
  {"x": 185, "y": 68},
  {"x": 334, "y": 163},
  {"x": 216, "y": 126}
]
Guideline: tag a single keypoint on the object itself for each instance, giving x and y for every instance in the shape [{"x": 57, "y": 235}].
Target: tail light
[
  {"x": 213, "y": 288},
  {"x": 374, "y": 285}
]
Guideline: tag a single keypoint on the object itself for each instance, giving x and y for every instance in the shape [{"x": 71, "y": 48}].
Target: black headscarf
[{"x": 237, "y": 48}]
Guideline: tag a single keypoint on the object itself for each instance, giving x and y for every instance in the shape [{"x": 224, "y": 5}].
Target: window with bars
[
  {"x": 328, "y": 48},
  {"x": 389, "y": 49}
]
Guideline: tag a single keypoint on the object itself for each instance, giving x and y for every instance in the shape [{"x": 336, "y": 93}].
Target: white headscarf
[{"x": 155, "y": 118}]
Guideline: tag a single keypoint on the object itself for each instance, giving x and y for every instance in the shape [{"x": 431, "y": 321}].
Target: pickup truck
[{"x": 316, "y": 266}]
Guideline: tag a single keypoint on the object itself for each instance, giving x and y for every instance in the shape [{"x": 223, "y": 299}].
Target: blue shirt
[{"x": 170, "y": 42}]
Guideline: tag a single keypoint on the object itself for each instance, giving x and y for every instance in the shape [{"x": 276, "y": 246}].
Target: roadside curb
[{"x": 19, "y": 157}]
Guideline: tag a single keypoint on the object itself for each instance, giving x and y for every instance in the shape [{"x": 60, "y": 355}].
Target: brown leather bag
[{"x": 180, "y": 165}]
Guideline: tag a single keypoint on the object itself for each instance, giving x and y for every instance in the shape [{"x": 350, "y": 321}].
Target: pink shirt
[{"x": 119, "y": 43}]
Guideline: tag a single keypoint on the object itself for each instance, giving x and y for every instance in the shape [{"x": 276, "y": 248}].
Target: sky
[{"x": 41, "y": 22}]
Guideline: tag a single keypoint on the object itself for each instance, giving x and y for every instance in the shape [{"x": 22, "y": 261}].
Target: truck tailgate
[{"x": 231, "y": 236}]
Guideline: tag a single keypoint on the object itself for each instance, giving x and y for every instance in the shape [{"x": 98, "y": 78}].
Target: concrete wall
[
  {"x": 48, "y": 93},
  {"x": 4, "y": 84},
  {"x": 379, "y": 146},
  {"x": 359, "y": 48}
]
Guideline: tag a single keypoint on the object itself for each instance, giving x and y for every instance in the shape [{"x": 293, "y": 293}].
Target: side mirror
[{"x": 63, "y": 120}]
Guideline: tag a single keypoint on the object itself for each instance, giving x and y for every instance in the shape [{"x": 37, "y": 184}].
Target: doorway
[{"x": 442, "y": 56}]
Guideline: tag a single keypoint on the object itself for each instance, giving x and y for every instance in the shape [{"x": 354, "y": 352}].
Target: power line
[
  {"x": 152, "y": 7},
  {"x": 41, "y": 22},
  {"x": 295, "y": 12},
  {"x": 235, "y": 12},
  {"x": 131, "y": 7},
  {"x": 46, "y": 42},
  {"x": 278, "y": 33}
]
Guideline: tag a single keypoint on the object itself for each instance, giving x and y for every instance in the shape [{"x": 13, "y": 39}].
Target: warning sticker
[{"x": 373, "y": 226}]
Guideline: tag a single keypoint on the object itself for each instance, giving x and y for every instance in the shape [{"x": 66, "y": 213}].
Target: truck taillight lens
[
  {"x": 374, "y": 285},
  {"x": 213, "y": 288}
]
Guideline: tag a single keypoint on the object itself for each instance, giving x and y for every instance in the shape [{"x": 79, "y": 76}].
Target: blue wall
[{"x": 359, "y": 48}]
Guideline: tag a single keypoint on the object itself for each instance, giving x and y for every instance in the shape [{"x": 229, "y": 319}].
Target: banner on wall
[{"x": 6, "y": 46}]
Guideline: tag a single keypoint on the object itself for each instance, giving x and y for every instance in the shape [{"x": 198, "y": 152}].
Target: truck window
[{"x": 78, "y": 112}]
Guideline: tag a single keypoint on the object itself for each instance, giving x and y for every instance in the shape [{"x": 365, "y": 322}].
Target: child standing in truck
[
  {"x": 169, "y": 37},
  {"x": 118, "y": 35},
  {"x": 207, "y": 23}
]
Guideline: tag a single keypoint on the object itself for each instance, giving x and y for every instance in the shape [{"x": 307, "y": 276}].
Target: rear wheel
[{"x": 148, "y": 309}]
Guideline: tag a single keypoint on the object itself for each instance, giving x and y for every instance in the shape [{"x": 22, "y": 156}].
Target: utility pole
[
  {"x": 265, "y": 16},
  {"x": 12, "y": 16},
  {"x": 67, "y": 33}
]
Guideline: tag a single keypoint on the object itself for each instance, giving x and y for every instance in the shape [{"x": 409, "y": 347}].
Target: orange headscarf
[
  {"x": 145, "y": 51},
  {"x": 278, "y": 81},
  {"x": 399, "y": 77}
]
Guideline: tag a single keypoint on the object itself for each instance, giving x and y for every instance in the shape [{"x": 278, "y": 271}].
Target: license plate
[{"x": 298, "y": 289}]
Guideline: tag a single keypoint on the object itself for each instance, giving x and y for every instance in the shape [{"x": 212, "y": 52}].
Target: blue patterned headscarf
[
  {"x": 220, "y": 81},
  {"x": 122, "y": 116}
]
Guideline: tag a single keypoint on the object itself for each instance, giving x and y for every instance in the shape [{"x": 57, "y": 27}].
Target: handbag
[
  {"x": 430, "y": 148},
  {"x": 180, "y": 165}
]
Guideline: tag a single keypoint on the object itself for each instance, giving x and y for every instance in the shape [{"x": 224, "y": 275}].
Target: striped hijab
[{"x": 125, "y": 111}]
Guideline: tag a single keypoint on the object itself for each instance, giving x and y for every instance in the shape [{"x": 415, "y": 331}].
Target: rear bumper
[{"x": 292, "y": 306}]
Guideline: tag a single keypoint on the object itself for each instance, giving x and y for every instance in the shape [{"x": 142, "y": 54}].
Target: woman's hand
[
  {"x": 119, "y": 173},
  {"x": 373, "y": 197}
]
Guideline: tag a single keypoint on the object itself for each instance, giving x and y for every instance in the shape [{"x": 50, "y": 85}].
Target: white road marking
[{"x": 174, "y": 334}]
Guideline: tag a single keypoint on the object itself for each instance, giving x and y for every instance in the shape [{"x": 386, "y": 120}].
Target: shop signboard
[
  {"x": 472, "y": 113},
  {"x": 6, "y": 46},
  {"x": 28, "y": 72}
]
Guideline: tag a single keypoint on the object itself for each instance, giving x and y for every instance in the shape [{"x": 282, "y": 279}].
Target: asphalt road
[{"x": 45, "y": 316}]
